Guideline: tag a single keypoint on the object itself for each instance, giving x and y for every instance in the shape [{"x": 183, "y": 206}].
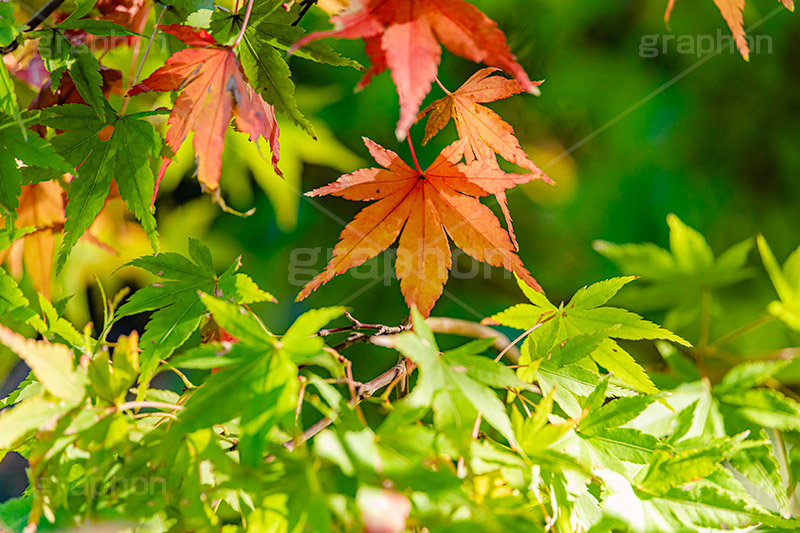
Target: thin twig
[
  {"x": 357, "y": 326},
  {"x": 306, "y": 6},
  {"x": 145, "y": 404},
  {"x": 522, "y": 401},
  {"x": 741, "y": 330},
  {"x": 357, "y": 337},
  {"x": 473, "y": 330},
  {"x": 186, "y": 383},
  {"x": 33, "y": 22},
  {"x": 365, "y": 390},
  {"x": 145, "y": 415},
  {"x": 141, "y": 63}
]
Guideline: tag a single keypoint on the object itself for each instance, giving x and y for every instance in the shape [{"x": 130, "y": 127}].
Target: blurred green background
[{"x": 629, "y": 139}]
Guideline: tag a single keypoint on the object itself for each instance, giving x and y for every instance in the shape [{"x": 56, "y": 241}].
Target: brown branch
[
  {"x": 357, "y": 336},
  {"x": 365, "y": 390},
  {"x": 306, "y": 5},
  {"x": 382, "y": 337},
  {"x": 380, "y": 329},
  {"x": 465, "y": 328}
]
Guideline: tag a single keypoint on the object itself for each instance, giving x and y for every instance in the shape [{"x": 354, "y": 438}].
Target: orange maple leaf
[
  {"x": 732, "y": 13},
  {"x": 41, "y": 206},
  {"x": 212, "y": 89},
  {"x": 404, "y": 36},
  {"x": 483, "y": 130},
  {"x": 419, "y": 207}
]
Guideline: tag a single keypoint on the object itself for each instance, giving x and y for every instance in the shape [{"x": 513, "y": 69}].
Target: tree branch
[
  {"x": 473, "y": 330},
  {"x": 305, "y": 6},
  {"x": 452, "y": 326},
  {"x": 382, "y": 337},
  {"x": 365, "y": 390},
  {"x": 357, "y": 326}
]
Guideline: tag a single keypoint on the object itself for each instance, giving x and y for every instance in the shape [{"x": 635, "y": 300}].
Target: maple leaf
[
  {"x": 732, "y": 13},
  {"x": 419, "y": 207},
  {"x": 176, "y": 301},
  {"x": 99, "y": 151},
  {"x": 404, "y": 36},
  {"x": 67, "y": 93},
  {"x": 41, "y": 206},
  {"x": 483, "y": 130},
  {"x": 266, "y": 37},
  {"x": 131, "y": 14},
  {"x": 20, "y": 144},
  {"x": 561, "y": 336},
  {"x": 212, "y": 89},
  {"x": 65, "y": 52}
]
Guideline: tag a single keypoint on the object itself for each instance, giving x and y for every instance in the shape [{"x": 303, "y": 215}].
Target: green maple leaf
[
  {"x": 9, "y": 29},
  {"x": 32, "y": 150},
  {"x": 8, "y": 97},
  {"x": 60, "y": 56},
  {"x": 52, "y": 364},
  {"x": 602, "y": 435},
  {"x": 694, "y": 459},
  {"x": 787, "y": 284},
  {"x": 689, "y": 264},
  {"x": 456, "y": 383},
  {"x": 764, "y": 407},
  {"x": 125, "y": 157},
  {"x": 704, "y": 506},
  {"x": 756, "y": 460},
  {"x": 175, "y": 299},
  {"x": 261, "y": 388},
  {"x": 268, "y": 35},
  {"x": 565, "y": 335},
  {"x": 14, "y": 304}
]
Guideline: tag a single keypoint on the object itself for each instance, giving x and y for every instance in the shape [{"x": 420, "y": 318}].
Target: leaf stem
[
  {"x": 705, "y": 318},
  {"x": 244, "y": 24},
  {"x": 364, "y": 391},
  {"x": 766, "y": 318},
  {"x": 522, "y": 336},
  {"x": 413, "y": 153},
  {"x": 442, "y": 87},
  {"x": 141, "y": 63}
]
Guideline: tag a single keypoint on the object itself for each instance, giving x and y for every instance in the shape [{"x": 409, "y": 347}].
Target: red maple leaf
[
  {"x": 484, "y": 131},
  {"x": 420, "y": 207},
  {"x": 212, "y": 89},
  {"x": 405, "y": 35},
  {"x": 732, "y": 13}
]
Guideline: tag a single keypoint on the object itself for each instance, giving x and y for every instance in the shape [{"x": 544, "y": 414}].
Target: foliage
[
  {"x": 594, "y": 418},
  {"x": 420, "y": 206}
]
